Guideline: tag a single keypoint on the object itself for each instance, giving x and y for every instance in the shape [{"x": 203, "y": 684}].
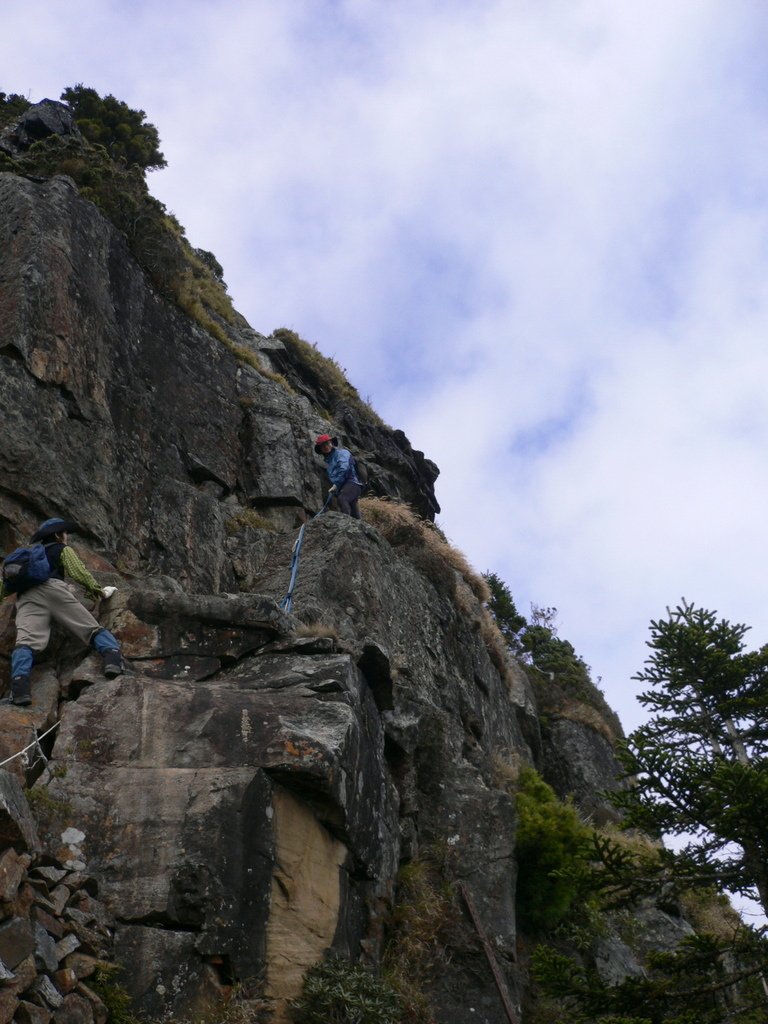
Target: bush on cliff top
[
  {"x": 561, "y": 678},
  {"x": 12, "y": 106},
  {"x": 122, "y": 131},
  {"x": 108, "y": 166}
]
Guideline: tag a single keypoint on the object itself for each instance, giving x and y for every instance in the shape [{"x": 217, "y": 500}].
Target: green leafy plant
[
  {"x": 45, "y": 807},
  {"x": 113, "y": 994},
  {"x": 553, "y": 851},
  {"x": 337, "y": 991},
  {"x": 501, "y": 605}
]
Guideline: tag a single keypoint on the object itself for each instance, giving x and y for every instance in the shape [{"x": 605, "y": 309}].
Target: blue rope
[{"x": 287, "y": 601}]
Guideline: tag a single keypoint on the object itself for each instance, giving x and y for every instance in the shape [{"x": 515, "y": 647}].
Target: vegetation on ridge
[
  {"x": 328, "y": 377},
  {"x": 698, "y": 771},
  {"x": 108, "y": 163},
  {"x": 108, "y": 122},
  {"x": 12, "y": 106},
  {"x": 560, "y": 677}
]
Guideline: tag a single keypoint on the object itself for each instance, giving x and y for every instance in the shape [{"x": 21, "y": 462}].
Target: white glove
[
  {"x": 333, "y": 489},
  {"x": 107, "y": 592}
]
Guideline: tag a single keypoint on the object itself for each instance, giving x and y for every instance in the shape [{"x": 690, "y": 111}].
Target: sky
[{"x": 533, "y": 232}]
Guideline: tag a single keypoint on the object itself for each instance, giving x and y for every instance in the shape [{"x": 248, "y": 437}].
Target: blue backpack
[{"x": 25, "y": 567}]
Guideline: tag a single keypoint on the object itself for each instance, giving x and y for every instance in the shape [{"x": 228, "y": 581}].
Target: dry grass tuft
[
  {"x": 403, "y": 528},
  {"x": 247, "y": 519},
  {"x": 631, "y": 840},
  {"x": 496, "y": 646},
  {"x": 306, "y": 629},
  {"x": 585, "y": 714},
  {"x": 417, "y": 948},
  {"x": 710, "y": 913},
  {"x": 506, "y": 770}
]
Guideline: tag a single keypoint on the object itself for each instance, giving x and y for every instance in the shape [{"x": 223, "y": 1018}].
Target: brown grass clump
[
  {"x": 506, "y": 770},
  {"x": 403, "y": 528},
  {"x": 710, "y": 913},
  {"x": 245, "y": 355},
  {"x": 198, "y": 292},
  {"x": 631, "y": 840},
  {"x": 323, "y": 629},
  {"x": 247, "y": 519},
  {"x": 496, "y": 646},
  {"x": 585, "y": 714}
]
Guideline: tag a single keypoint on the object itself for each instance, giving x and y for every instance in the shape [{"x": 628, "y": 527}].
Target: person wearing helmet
[
  {"x": 38, "y": 604},
  {"x": 342, "y": 472}
]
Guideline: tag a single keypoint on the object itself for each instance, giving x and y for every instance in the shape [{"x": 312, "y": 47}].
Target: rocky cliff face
[{"x": 249, "y": 789}]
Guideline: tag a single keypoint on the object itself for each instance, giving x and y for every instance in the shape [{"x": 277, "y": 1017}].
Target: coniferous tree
[
  {"x": 504, "y": 611},
  {"x": 700, "y": 773},
  {"x": 700, "y": 764}
]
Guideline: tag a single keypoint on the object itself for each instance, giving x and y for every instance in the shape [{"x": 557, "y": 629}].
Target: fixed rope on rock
[
  {"x": 287, "y": 601},
  {"x": 34, "y": 745}
]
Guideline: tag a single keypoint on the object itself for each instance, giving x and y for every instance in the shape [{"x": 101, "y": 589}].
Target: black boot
[
  {"x": 21, "y": 690},
  {"x": 113, "y": 664}
]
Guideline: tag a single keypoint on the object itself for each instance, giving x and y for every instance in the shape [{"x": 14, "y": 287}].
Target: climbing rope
[
  {"x": 34, "y": 745},
  {"x": 287, "y": 601}
]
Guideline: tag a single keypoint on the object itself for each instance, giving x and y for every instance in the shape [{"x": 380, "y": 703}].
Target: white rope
[{"x": 34, "y": 743}]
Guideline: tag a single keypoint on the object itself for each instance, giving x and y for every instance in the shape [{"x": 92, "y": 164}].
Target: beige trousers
[{"x": 49, "y": 602}]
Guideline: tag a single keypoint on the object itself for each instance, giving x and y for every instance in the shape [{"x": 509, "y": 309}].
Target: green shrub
[
  {"x": 702, "y": 981},
  {"x": 339, "y": 992},
  {"x": 106, "y": 121},
  {"x": 560, "y": 677},
  {"x": 108, "y": 166},
  {"x": 553, "y": 850},
  {"x": 12, "y": 106},
  {"x": 113, "y": 994}
]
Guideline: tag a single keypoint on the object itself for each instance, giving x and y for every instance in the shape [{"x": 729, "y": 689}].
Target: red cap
[{"x": 323, "y": 439}]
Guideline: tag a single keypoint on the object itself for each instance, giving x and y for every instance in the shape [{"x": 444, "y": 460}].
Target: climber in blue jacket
[{"x": 341, "y": 468}]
